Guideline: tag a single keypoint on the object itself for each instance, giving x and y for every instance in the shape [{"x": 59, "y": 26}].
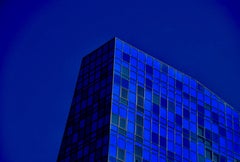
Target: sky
[{"x": 42, "y": 44}]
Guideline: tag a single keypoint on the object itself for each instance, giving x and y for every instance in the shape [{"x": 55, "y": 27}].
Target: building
[{"x": 129, "y": 106}]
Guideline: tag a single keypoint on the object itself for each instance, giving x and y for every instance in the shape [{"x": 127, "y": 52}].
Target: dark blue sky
[{"x": 41, "y": 46}]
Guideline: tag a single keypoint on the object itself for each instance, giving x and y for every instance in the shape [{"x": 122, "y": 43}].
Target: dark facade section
[{"x": 86, "y": 135}]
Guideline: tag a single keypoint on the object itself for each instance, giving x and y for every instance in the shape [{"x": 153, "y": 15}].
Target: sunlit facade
[{"x": 129, "y": 106}]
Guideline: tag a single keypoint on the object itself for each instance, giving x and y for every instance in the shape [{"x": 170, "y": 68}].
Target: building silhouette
[{"x": 129, "y": 106}]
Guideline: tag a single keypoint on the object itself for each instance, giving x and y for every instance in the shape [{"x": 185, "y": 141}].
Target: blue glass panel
[
  {"x": 119, "y": 44},
  {"x": 178, "y": 119},
  {"x": 126, "y": 57},
  {"x": 149, "y": 70},
  {"x": 163, "y": 141},
  {"x": 155, "y": 109},
  {"x": 141, "y": 56},
  {"x": 155, "y": 138},
  {"x": 130, "y": 127},
  {"x": 156, "y": 64}
]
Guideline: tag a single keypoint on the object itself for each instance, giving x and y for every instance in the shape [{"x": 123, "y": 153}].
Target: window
[
  {"x": 156, "y": 99},
  {"x": 208, "y": 154},
  {"x": 139, "y": 131},
  {"x": 139, "y": 120},
  {"x": 124, "y": 93},
  {"x": 122, "y": 123},
  {"x": 149, "y": 70},
  {"x": 126, "y": 57},
  {"x": 125, "y": 72},
  {"x": 138, "y": 150},
  {"x": 124, "y": 96},
  {"x": 140, "y": 91},
  {"x": 115, "y": 119},
  {"x": 121, "y": 154},
  {"x": 140, "y": 101}
]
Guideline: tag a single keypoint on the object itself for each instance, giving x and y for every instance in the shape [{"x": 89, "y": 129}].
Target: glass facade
[{"x": 129, "y": 106}]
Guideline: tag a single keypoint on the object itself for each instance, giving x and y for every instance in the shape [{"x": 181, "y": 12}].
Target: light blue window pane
[
  {"x": 185, "y": 153},
  {"x": 170, "y": 145},
  {"x": 147, "y": 123},
  {"x": 186, "y": 102},
  {"x": 130, "y": 135},
  {"x": 207, "y": 99},
  {"x": 129, "y": 146},
  {"x": 215, "y": 128},
  {"x": 215, "y": 147},
  {"x": 121, "y": 143},
  {"x": 132, "y": 97},
  {"x": 156, "y": 73},
  {"x": 133, "y": 76},
  {"x": 155, "y": 127},
  {"x": 171, "y": 95},
  {"x": 131, "y": 116},
  {"x": 207, "y": 113},
  {"x": 113, "y": 139},
  {"x": 126, "y": 48},
  {"x": 193, "y": 92},
  {"x": 148, "y": 95},
  {"x": 170, "y": 116},
  {"x": 117, "y": 67},
  {"x": 141, "y": 56},
  {"x": 222, "y": 142},
  {"x": 200, "y": 96},
  {"x": 141, "y": 79},
  {"x": 146, "y": 154},
  {"x": 149, "y": 60},
  {"x": 208, "y": 124},
  {"x": 114, "y": 128},
  {"x": 193, "y": 127},
  {"x": 171, "y": 72},
  {"x": 193, "y": 107},
  {"x": 118, "y": 54},
  {"x": 170, "y": 135},
  {"x": 178, "y": 98},
  {"x": 185, "y": 124},
  {"x": 178, "y": 75},
  {"x": 129, "y": 157},
  {"x": 193, "y": 117},
  {"x": 163, "y": 77},
  {"x": 179, "y": 139},
  {"x": 130, "y": 127},
  {"x": 163, "y": 131},
  {"x": 113, "y": 150},
  {"x": 116, "y": 89},
  {"x": 207, "y": 92},
  {"x": 201, "y": 148},
  {"x": 147, "y": 134},
  {"x": 141, "y": 66},
  {"x": 154, "y": 157},
  {"x": 156, "y": 64},
  {"x": 164, "y": 91},
  {"x": 114, "y": 108},
  {"x": 163, "y": 113},
  {"x": 193, "y": 146},
  {"x": 178, "y": 149},
  {"x": 134, "y": 53},
  {"x": 178, "y": 110},
  {"x": 147, "y": 105},
  {"x": 185, "y": 89},
  {"x": 119, "y": 44},
  {"x": 193, "y": 83},
  {"x": 156, "y": 88},
  {"x": 186, "y": 79},
  {"x": 123, "y": 112}
]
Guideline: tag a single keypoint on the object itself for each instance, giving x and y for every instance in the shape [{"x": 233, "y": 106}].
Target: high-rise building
[{"x": 129, "y": 106}]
